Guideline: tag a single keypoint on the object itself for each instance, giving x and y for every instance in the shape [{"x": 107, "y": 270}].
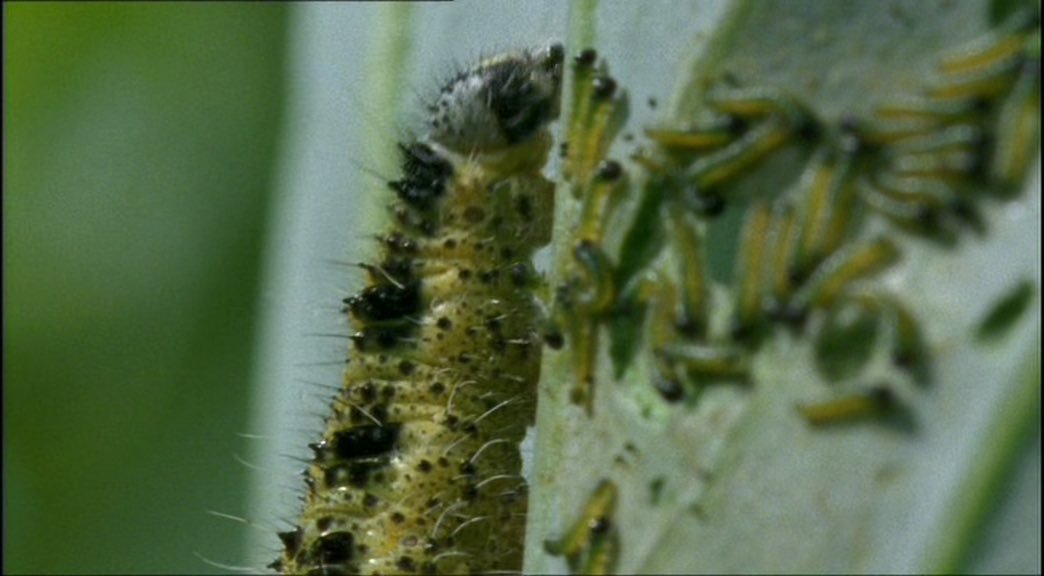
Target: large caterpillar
[{"x": 419, "y": 469}]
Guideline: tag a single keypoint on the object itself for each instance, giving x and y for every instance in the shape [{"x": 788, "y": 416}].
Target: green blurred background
[{"x": 139, "y": 145}]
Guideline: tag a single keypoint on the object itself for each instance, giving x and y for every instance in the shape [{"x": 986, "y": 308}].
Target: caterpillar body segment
[
  {"x": 694, "y": 314},
  {"x": 1018, "y": 129},
  {"x": 592, "y": 544},
  {"x": 987, "y": 67},
  {"x": 751, "y": 283},
  {"x": 830, "y": 216},
  {"x": 598, "y": 113},
  {"x": 874, "y": 402}
]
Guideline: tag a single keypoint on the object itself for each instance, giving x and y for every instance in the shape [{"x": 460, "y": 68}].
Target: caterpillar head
[{"x": 503, "y": 101}]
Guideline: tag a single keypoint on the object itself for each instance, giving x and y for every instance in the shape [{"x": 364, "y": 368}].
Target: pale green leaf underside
[{"x": 746, "y": 484}]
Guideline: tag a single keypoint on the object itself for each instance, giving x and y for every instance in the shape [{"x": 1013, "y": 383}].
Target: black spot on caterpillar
[{"x": 418, "y": 469}]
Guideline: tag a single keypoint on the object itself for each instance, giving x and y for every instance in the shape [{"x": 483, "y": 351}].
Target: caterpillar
[
  {"x": 418, "y": 469},
  {"x": 592, "y": 544}
]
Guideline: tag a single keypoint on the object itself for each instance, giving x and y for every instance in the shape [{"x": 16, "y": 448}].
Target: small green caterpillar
[{"x": 591, "y": 545}]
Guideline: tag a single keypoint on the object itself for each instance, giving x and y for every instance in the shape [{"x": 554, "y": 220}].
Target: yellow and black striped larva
[
  {"x": 873, "y": 402},
  {"x": 418, "y": 469},
  {"x": 592, "y": 544},
  {"x": 807, "y": 259}
]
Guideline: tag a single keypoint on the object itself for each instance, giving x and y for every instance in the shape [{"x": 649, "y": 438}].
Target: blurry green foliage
[{"x": 138, "y": 150}]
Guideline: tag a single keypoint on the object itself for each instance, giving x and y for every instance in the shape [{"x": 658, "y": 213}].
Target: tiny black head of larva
[{"x": 502, "y": 101}]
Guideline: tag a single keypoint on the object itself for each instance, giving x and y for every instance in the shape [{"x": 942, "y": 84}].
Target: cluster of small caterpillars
[
  {"x": 419, "y": 469},
  {"x": 924, "y": 163}
]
